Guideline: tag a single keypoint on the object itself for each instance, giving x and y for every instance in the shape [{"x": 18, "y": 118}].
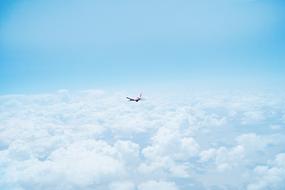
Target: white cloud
[
  {"x": 98, "y": 140},
  {"x": 79, "y": 164},
  {"x": 224, "y": 158},
  {"x": 270, "y": 176},
  {"x": 170, "y": 142},
  {"x": 165, "y": 185},
  {"x": 125, "y": 185},
  {"x": 252, "y": 117},
  {"x": 253, "y": 141}
]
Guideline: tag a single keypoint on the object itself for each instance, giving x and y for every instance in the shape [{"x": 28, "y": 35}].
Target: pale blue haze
[{"x": 50, "y": 45}]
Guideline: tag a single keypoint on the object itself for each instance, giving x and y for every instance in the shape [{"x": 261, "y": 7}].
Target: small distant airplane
[{"x": 135, "y": 99}]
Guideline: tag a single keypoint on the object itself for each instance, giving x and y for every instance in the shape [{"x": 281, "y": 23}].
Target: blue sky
[{"x": 49, "y": 45}]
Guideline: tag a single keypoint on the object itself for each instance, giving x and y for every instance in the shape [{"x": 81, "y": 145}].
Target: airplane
[{"x": 135, "y": 99}]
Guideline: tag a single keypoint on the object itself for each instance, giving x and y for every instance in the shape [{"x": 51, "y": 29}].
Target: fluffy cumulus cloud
[
  {"x": 270, "y": 176},
  {"x": 149, "y": 185},
  {"x": 97, "y": 140}
]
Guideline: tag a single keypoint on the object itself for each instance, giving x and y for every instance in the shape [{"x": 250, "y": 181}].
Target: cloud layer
[{"x": 98, "y": 140}]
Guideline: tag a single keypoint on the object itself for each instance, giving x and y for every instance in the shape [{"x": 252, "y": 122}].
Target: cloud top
[{"x": 97, "y": 139}]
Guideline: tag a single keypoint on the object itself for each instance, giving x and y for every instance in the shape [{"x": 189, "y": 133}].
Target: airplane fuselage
[
  {"x": 138, "y": 98},
  {"x": 134, "y": 99}
]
